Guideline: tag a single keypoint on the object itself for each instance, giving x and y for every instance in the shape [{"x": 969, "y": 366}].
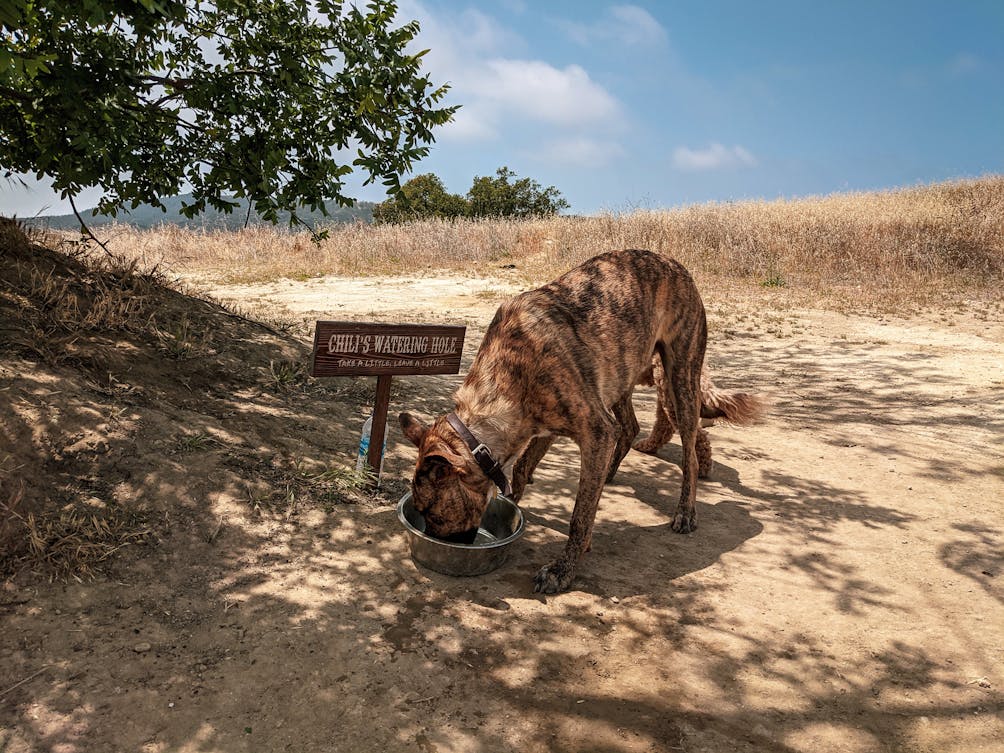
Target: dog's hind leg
[
  {"x": 665, "y": 423},
  {"x": 662, "y": 430},
  {"x": 683, "y": 371},
  {"x": 703, "y": 448},
  {"x": 597, "y": 439},
  {"x": 623, "y": 411},
  {"x": 522, "y": 472}
]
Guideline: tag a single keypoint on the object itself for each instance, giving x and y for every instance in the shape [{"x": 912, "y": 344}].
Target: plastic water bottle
[{"x": 362, "y": 458}]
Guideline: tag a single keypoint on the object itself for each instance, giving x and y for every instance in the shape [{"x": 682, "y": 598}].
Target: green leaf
[{"x": 256, "y": 98}]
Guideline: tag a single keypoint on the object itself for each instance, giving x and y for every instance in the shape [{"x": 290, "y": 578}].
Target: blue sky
[{"x": 656, "y": 104}]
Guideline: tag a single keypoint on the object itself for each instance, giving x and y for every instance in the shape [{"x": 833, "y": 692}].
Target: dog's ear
[
  {"x": 414, "y": 429},
  {"x": 439, "y": 464}
]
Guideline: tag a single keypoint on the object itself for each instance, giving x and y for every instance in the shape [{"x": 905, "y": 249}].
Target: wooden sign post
[{"x": 382, "y": 350}]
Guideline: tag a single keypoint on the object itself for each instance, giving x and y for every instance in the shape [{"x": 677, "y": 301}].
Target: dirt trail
[{"x": 844, "y": 591}]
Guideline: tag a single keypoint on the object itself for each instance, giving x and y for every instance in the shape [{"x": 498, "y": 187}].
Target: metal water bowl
[{"x": 501, "y": 525}]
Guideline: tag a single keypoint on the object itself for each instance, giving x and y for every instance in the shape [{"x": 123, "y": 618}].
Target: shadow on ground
[{"x": 270, "y": 609}]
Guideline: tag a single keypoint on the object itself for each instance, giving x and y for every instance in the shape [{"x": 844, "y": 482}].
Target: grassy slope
[
  {"x": 947, "y": 236},
  {"x": 124, "y": 403}
]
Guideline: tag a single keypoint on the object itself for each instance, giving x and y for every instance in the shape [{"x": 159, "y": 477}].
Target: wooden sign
[
  {"x": 381, "y": 350},
  {"x": 358, "y": 348}
]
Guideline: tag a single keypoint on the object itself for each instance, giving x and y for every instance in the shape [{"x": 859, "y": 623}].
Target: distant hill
[{"x": 146, "y": 216}]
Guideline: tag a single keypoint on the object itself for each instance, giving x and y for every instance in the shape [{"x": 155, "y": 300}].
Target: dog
[
  {"x": 736, "y": 408},
  {"x": 563, "y": 360}
]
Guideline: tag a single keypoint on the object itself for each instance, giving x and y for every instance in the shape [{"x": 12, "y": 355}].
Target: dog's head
[{"x": 448, "y": 490}]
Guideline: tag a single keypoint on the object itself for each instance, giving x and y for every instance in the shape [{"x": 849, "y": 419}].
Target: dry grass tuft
[
  {"x": 58, "y": 296},
  {"x": 72, "y": 541},
  {"x": 907, "y": 242}
]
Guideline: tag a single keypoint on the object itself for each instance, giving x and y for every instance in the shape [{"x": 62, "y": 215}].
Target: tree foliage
[
  {"x": 504, "y": 195},
  {"x": 277, "y": 102},
  {"x": 421, "y": 197}
]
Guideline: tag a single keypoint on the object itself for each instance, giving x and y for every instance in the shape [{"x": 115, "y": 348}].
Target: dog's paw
[
  {"x": 552, "y": 579},
  {"x": 684, "y": 522},
  {"x": 704, "y": 469}
]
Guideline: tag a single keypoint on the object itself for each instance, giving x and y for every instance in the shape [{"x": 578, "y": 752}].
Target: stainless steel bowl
[{"x": 500, "y": 526}]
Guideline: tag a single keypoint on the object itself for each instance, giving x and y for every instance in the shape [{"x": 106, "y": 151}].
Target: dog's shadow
[{"x": 634, "y": 550}]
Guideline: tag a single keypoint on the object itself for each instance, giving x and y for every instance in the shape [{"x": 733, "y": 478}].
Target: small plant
[
  {"x": 180, "y": 340},
  {"x": 257, "y": 501},
  {"x": 74, "y": 541},
  {"x": 285, "y": 374},
  {"x": 774, "y": 281},
  {"x": 490, "y": 294},
  {"x": 345, "y": 479},
  {"x": 194, "y": 443}
]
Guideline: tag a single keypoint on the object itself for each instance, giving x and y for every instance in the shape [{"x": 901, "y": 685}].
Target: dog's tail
[{"x": 738, "y": 408}]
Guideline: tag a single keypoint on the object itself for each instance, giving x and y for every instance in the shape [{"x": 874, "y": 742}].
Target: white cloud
[
  {"x": 539, "y": 91},
  {"x": 627, "y": 25},
  {"x": 714, "y": 157},
  {"x": 580, "y": 151},
  {"x": 458, "y": 41},
  {"x": 498, "y": 84},
  {"x": 636, "y": 25},
  {"x": 469, "y": 124}
]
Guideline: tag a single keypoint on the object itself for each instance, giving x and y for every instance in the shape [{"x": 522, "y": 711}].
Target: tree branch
[
  {"x": 187, "y": 81},
  {"x": 86, "y": 228}
]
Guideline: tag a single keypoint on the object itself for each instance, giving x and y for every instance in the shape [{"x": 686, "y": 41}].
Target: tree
[
  {"x": 502, "y": 196},
  {"x": 421, "y": 197},
  {"x": 506, "y": 196},
  {"x": 277, "y": 102}
]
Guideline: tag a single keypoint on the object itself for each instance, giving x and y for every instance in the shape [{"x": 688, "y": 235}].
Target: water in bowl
[
  {"x": 470, "y": 537},
  {"x": 483, "y": 538}
]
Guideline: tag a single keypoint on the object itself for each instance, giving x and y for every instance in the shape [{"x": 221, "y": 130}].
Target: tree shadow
[
  {"x": 977, "y": 552},
  {"x": 268, "y": 621},
  {"x": 893, "y": 403}
]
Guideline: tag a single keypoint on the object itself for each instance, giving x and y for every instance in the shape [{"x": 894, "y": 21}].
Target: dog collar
[{"x": 482, "y": 455}]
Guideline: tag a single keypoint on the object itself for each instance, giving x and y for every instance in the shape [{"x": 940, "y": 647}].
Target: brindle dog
[{"x": 563, "y": 360}]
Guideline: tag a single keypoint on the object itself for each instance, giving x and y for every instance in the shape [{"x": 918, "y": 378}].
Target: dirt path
[{"x": 844, "y": 591}]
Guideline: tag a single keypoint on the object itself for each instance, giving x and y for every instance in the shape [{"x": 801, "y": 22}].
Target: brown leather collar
[{"x": 482, "y": 455}]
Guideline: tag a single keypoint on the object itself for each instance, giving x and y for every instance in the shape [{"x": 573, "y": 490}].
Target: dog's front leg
[
  {"x": 596, "y": 456},
  {"x": 623, "y": 410},
  {"x": 522, "y": 472}
]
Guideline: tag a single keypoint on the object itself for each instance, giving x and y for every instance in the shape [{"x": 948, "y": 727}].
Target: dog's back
[{"x": 587, "y": 335}]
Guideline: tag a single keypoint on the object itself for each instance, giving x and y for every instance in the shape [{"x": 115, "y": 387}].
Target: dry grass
[
  {"x": 71, "y": 541},
  {"x": 94, "y": 350},
  {"x": 58, "y": 296},
  {"x": 914, "y": 242}
]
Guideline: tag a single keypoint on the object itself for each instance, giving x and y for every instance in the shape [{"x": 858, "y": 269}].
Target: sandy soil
[{"x": 844, "y": 591}]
